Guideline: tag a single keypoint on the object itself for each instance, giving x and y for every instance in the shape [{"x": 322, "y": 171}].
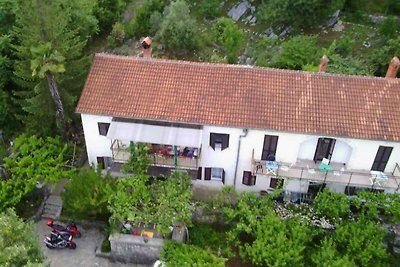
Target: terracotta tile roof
[{"x": 248, "y": 97}]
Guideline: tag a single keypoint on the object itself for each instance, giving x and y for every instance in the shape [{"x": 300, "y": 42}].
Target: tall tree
[
  {"x": 49, "y": 47},
  {"x": 178, "y": 30}
]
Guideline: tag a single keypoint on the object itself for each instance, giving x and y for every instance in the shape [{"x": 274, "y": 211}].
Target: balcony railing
[
  {"x": 307, "y": 170},
  {"x": 121, "y": 153}
]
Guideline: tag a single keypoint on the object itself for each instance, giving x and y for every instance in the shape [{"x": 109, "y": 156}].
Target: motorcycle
[
  {"x": 70, "y": 228},
  {"x": 59, "y": 240}
]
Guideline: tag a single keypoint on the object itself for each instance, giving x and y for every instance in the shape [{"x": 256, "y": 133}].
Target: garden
[{"x": 240, "y": 229}]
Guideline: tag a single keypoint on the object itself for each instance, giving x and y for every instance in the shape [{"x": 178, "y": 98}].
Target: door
[
  {"x": 269, "y": 147},
  {"x": 381, "y": 158},
  {"x": 324, "y": 149}
]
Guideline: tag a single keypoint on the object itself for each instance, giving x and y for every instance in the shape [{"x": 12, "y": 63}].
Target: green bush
[
  {"x": 332, "y": 205},
  {"x": 177, "y": 254},
  {"x": 230, "y": 36},
  {"x": 178, "y": 29},
  {"x": 86, "y": 195},
  {"x": 117, "y": 35},
  {"x": 141, "y": 24}
]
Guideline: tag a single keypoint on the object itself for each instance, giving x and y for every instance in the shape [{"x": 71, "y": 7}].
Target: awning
[{"x": 165, "y": 135}]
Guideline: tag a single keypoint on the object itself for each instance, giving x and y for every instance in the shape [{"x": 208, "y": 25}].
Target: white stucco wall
[
  {"x": 357, "y": 154},
  {"x": 96, "y": 145}
]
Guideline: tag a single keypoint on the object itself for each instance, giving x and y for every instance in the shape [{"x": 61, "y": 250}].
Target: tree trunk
[{"x": 57, "y": 101}]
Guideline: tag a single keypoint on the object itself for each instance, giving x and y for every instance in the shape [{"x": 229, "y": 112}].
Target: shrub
[
  {"x": 230, "y": 36},
  {"x": 332, "y": 205},
  {"x": 210, "y": 8},
  {"x": 86, "y": 195},
  {"x": 177, "y": 254},
  {"x": 117, "y": 35},
  {"x": 141, "y": 24}
]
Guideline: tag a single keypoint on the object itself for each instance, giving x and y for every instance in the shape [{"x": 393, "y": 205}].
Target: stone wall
[{"x": 135, "y": 249}]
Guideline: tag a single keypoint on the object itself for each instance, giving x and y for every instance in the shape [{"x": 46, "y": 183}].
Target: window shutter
[
  {"x": 246, "y": 178},
  {"x": 212, "y": 140},
  {"x": 252, "y": 180},
  {"x": 199, "y": 170},
  {"x": 223, "y": 176},
  {"x": 225, "y": 141},
  {"x": 207, "y": 172}
]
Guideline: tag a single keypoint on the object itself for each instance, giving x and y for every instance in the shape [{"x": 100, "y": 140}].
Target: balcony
[
  {"x": 160, "y": 155},
  {"x": 307, "y": 170}
]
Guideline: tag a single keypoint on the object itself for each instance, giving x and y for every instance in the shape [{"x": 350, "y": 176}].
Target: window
[
  {"x": 276, "y": 182},
  {"x": 103, "y": 128},
  {"x": 217, "y": 174},
  {"x": 248, "y": 178},
  {"x": 219, "y": 141},
  {"x": 269, "y": 147},
  {"x": 381, "y": 158}
]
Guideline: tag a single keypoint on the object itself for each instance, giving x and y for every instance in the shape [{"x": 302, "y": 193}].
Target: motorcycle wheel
[
  {"x": 50, "y": 247},
  {"x": 72, "y": 246}
]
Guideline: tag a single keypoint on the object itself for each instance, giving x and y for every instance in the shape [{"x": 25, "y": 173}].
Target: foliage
[
  {"x": 297, "y": 13},
  {"x": 230, "y": 36},
  {"x": 108, "y": 12},
  {"x": 277, "y": 242},
  {"x": 83, "y": 19},
  {"x": 177, "y": 254},
  {"x": 163, "y": 203},
  {"x": 178, "y": 30},
  {"x": 138, "y": 162},
  {"x": 210, "y": 8},
  {"x": 389, "y": 29},
  {"x": 86, "y": 195},
  {"x": 381, "y": 56},
  {"x": 33, "y": 159},
  {"x": 361, "y": 241},
  {"x": 141, "y": 24},
  {"x": 19, "y": 245},
  {"x": 332, "y": 205},
  {"x": 296, "y": 52},
  {"x": 117, "y": 35},
  {"x": 33, "y": 29},
  {"x": 327, "y": 255}
]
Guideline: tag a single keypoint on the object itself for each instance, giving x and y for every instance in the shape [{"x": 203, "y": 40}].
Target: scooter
[
  {"x": 59, "y": 240},
  {"x": 70, "y": 228}
]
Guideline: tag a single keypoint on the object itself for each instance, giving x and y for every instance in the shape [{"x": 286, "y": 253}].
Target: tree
[
  {"x": 33, "y": 159},
  {"x": 178, "y": 30},
  {"x": 230, "y": 36},
  {"x": 332, "y": 205},
  {"x": 297, "y": 52},
  {"x": 46, "y": 63},
  {"x": 382, "y": 55},
  {"x": 276, "y": 242},
  {"x": 57, "y": 45},
  {"x": 138, "y": 163},
  {"x": 163, "y": 203},
  {"x": 297, "y": 13},
  {"x": 108, "y": 12},
  {"x": 142, "y": 25},
  {"x": 361, "y": 242},
  {"x": 19, "y": 245},
  {"x": 86, "y": 195}
]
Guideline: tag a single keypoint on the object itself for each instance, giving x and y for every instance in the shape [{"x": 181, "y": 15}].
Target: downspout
[{"x": 245, "y": 131}]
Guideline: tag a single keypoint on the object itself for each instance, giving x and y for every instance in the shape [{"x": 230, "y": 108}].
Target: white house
[{"x": 246, "y": 126}]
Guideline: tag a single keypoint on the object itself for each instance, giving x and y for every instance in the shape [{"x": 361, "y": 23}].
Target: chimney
[
  {"x": 393, "y": 68},
  {"x": 146, "y": 47},
  {"x": 323, "y": 63}
]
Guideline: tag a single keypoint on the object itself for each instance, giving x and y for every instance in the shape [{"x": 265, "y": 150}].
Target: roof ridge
[{"x": 249, "y": 67}]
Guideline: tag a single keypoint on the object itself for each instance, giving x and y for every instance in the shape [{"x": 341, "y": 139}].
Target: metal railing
[
  {"x": 121, "y": 153},
  {"x": 309, "y": 171}
]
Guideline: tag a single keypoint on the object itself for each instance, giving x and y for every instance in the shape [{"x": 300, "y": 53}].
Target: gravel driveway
[{"x": 83, "y": 255}]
